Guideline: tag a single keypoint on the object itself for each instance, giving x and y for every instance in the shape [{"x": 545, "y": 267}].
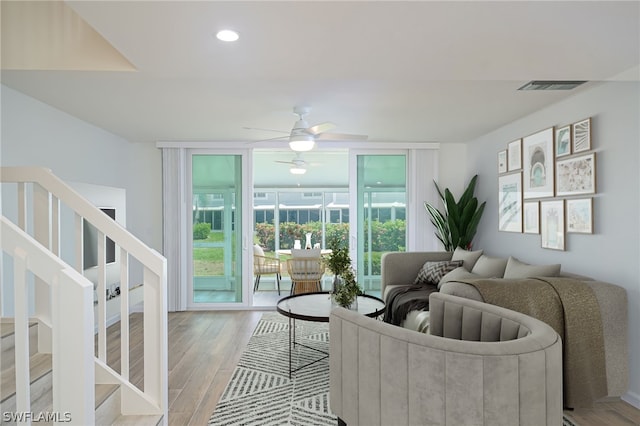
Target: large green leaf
[
  {"x": 439, "y": 222},
  {"x": 468, "y": 193},
  {"x": 457, "y": 226}
]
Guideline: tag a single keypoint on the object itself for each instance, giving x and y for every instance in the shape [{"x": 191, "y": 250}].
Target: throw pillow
[
  {"x": 469, "y": 258},
  {"x": 458, "y": 274},
  {"x": 518, "y": 269},
  {"x": 490, "y": 267},
  {"x": 432, "y": 272}
]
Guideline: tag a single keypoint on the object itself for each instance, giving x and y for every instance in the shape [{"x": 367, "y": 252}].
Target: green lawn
[{"x": 209, "y": 261}]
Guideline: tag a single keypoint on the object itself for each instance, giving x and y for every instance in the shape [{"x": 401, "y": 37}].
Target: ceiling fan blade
[
  {"x": 341, "y": 137},
  {"x": 265, "y": 140},
  {"x": 321, "y": 128},
  {"x": 265, "y": 130},
  {"x": 285, "y": 162}
]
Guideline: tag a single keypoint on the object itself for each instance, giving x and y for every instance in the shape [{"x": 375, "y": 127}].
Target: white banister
[
  {"x": 124, "y": 319},
  {"x": 85, "y": 209},
  {"x": 155, "y": 313},
  {"x": 102, "y": 298},
  {"x": 42, "y": 234},
  {"x": 21, "y": 331},
  {"x": 71, "y": 322},
  {"x": 64, "y": 297},
  {"x": 73, "y": 371},
  {"x": 79, "y": 242}
]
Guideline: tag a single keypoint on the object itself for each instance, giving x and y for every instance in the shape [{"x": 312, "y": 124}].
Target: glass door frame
[
  {"x": 356, "y": 246},
  {"x": 246, "y": 223}
]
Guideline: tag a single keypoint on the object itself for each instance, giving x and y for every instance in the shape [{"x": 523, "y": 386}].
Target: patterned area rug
[{"x": 260, "y": 391}]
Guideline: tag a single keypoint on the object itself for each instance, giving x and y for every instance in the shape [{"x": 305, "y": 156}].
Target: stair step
[
  {"x": 39, "y": 366},
  {"x": 7, "y": 343},
  {"x": 103, "y": 392},
  {"x": 108, "y": 413},
  {"x": 107, "y": 396}
]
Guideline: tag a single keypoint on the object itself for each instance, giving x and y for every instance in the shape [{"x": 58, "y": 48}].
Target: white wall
[
  {"x": 35, "y": 134},
  {"x": 612, "y": 254}
]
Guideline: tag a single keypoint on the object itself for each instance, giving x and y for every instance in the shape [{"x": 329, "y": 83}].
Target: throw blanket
[
  {"x": 570, "y": 307},
  {"x": 402, "y": 299}
]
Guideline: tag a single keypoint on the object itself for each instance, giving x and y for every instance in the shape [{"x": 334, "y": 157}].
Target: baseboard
[{"x": 632, "y": 398}]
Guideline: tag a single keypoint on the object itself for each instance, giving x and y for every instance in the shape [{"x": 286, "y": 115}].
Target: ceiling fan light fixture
[
  {"x": 227, "y": 35},
  {"x": 297, "y": 170},
  {"x": 301, "y": 143}
]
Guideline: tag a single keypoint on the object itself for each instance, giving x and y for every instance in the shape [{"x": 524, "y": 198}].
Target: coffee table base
[{"x": 292, "y": 345}]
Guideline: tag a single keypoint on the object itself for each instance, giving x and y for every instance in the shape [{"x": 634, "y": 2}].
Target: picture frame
[
  {"x": 514, "y": 154},
  {"x": 552, "y": 230},
  {"x": 576, "y": 175},
  {"x": 538, "y": 164},
  {"x": 510, "y": 202},
  {"x": 531, "y": 217},
  {"x": 502, "y": 161},
  {"x": 581, "y": 135},
  {"x": 563, "y": 141},
  {"x": 580, "y": 215}
]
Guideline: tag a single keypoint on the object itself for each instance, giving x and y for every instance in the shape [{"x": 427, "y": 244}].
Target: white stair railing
[
  {"x": 71, "y": 325},
  {"x": 48, "y": 193}
]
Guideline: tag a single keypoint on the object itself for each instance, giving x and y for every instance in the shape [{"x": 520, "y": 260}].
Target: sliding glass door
[
  {"x": 380, "y": 203},
  {"x": 216, "y": 229}
]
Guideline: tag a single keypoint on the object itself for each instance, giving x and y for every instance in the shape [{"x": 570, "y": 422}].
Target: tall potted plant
[{"x": 457, "y": 225}]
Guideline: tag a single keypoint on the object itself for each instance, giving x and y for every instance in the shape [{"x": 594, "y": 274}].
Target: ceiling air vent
[{"x": 551, "y": 85}]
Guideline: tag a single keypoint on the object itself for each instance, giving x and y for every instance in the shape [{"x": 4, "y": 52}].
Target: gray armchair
[{"x": 478, "y": 364}]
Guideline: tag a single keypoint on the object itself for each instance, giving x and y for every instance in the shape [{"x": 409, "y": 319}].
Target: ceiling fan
[
  {"x": 303, "y": 137},
  {"x": 298, "y": 165}
]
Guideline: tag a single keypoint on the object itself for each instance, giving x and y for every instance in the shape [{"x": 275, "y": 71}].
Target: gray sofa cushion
[
  {"x": 469, "y": 258},
  {"x": 490, "y": 267},
  {"x": 518, "y": 269},
  {"x": 459, "y": 273}
]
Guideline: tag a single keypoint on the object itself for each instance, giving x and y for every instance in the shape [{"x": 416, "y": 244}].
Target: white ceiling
[{"x": 397, "y": 71}]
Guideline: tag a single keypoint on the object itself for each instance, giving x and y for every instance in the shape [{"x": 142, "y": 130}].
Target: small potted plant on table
[{"x": 345, "y": 288}]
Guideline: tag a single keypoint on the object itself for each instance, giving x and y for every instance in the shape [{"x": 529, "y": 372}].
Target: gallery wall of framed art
[{"x": 546, "y": 183}]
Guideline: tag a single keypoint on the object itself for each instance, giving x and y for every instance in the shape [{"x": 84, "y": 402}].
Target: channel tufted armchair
[{"x": 479, "y": 364}]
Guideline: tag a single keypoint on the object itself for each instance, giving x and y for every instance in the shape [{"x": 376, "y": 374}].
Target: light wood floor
[{"x": 204, "y": 348}]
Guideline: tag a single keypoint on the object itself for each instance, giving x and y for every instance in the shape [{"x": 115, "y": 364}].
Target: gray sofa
[
  {"x": 401, "y": 268},
  {"x": 478, "y": 364}
]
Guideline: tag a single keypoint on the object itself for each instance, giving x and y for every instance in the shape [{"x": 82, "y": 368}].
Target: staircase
[{"x": 53, "y": 350}]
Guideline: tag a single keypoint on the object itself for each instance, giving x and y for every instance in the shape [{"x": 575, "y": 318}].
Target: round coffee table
[{"x": 317, "y": 307}]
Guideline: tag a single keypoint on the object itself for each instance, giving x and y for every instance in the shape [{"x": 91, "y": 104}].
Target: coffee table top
[{"x": 317, "y": 306}]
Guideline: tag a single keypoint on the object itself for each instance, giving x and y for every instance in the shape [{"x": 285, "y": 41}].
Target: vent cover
[{"x": 551, "y": 85}]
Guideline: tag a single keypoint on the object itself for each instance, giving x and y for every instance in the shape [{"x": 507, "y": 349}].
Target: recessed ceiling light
[{"x": 227, "y": 35}]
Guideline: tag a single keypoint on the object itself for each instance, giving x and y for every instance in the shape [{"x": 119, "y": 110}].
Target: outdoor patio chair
[{"x": 264, "y": 265}]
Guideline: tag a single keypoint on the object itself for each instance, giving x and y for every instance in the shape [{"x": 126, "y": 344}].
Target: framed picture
[
  {"x": 538, "y": 165},
  {"x": 576, "y": 175},
  {"x": 531, "y": 210},
  {"x": 552, "y": 224},
  {"x": 514, "y": 150},
  {"x": 510, "y": 202},
  {"x": 580, "y": 215},
  {"x": 563, "y": 141},
  {"x": 582, "y": 135},
  {"x": 502, "y": 161}
]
